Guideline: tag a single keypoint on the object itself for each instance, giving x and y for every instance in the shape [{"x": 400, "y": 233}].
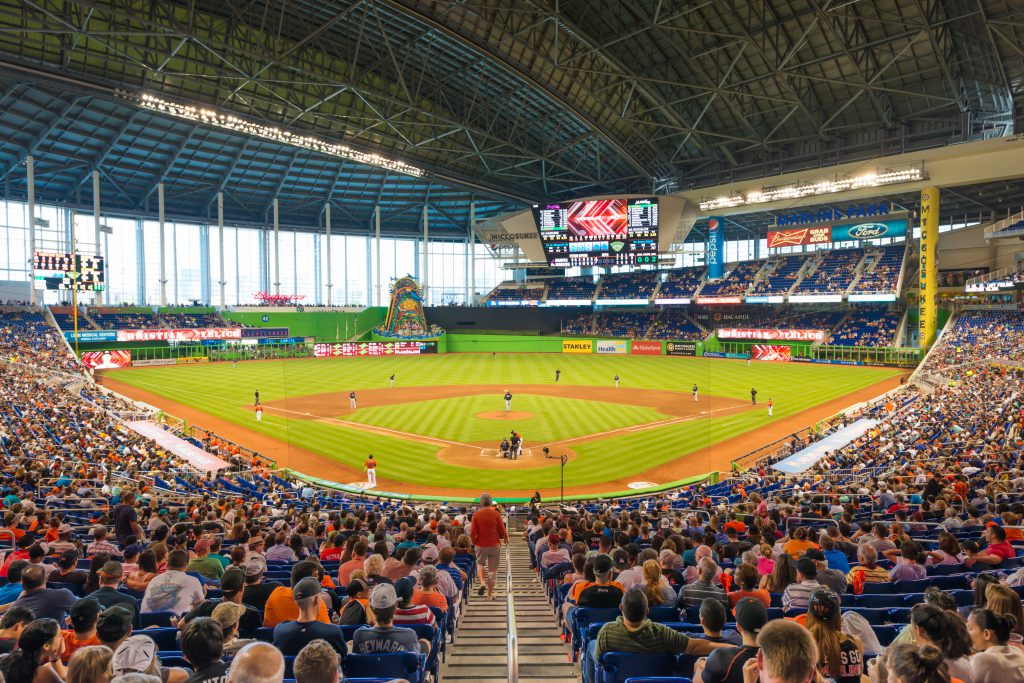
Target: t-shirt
[
  {"x": 600, "y": 596},
  {"x": 487, "y": 529},
  {"x": 725, "y": 665},
  {"x": 49, "y": 603},
  {"x": 208, "y": 566},
  {"x": 108, "y": 597},
  {"x": 257, "y": 594},
  {"x": 1003, "y": 550},
  {"x": 430, "y": 600},
  {"x": 124, "y": 515},
  {"x": 173, "y": 591},
  {"x": 281, "y": 607},
  {"x": 650, "y": 638},
  {"x": 215, "y": 673},
  {"x": 291, "y": 636},
  {"x": 72, "y": 643},
  {"x": 247, "y": 624},
  {"x": 851, "y": 663},
  {"x": 384, "y": 640}
]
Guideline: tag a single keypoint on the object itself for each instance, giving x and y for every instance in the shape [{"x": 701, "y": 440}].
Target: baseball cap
[
  {"x": 83, "y": 613},
  {"x": 227, "y": 614},
  {"x": 751, "y": 615},
  {"x": 232, "y": 581},
  {"x": 278, "y": 525},
  {"x": 255, "y": 565},
  {"x": 202, "y": 546},
  {"x": 112, "y": 569},
  {"x": 602, "y": 564},
  {"x": 306, "y": 588},
  {"x": 665, "y": 523},
  {"x": 815, "y": 554},
  {"x": 383, "y": 596},
  {"x": 355, "y": 587},
  {"x": 255, "y": 540},
  {"x": 404, "y": 588},
  {"x": 134, "y": 655},
  {"x": 114, "y": 624},
  {"x": 824, "y": 603},
  {"x": 429, "y": 553},
  {"x": 132, "y": 549},
  {"x": 64, "y": 529}
]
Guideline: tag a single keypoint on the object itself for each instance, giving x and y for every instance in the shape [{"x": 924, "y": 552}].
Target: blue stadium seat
[
  {"x": 147, "y": 619},
  {"x": 654, "y": 679},
  {"x": 399, "y": 665},
  {"x": 618, "y": 667},
  {"x": 165, "y": 638}
]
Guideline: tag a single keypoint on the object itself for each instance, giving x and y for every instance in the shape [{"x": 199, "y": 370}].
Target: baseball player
[
  {"x": 694, "y": 393},
  {"x": 616, "y": 381},
  {"x": 259, "y": 413},
  {"x": 257, "y": 397},
  {"x": 392, "y": 379},
  {"x": 508, "y": 400},
  {"x": 371, "y": 471},
  {"x": 753, "y": 396},
  {"x": 558, "y": 373},
  {"x": 352, "y": 400},
  {"x": 771, "y": 407}
]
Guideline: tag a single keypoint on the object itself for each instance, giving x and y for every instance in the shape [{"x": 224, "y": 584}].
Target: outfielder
[{"x": 352, "y": 400}]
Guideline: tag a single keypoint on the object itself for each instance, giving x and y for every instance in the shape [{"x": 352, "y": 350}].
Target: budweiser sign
[
  {"x": 770, "y": 334},
  {"x": 180, "y": 335},
  {"x": 268, "y": 298},
  {"x": 799, "y": 236}
]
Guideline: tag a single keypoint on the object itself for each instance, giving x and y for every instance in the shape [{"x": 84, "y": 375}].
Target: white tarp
[
  {"x": 803, "y": 460},
  {"x": 194, "y": 456}
]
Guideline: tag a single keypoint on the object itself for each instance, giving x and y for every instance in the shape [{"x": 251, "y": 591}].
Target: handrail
[
  {"x": 513, "y": 637},
  {"x": 827, "y": 520}
]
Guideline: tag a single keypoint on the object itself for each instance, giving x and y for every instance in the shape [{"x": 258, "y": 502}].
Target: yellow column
[{"x": 928, "y": 290}]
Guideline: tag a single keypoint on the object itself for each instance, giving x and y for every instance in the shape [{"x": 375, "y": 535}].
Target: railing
[
  {"x": 816, "y": 520},
  {"x": 513, "y": 637},
  {"x": 991, "y": 232},
  {"x": 776, "y": 448}
]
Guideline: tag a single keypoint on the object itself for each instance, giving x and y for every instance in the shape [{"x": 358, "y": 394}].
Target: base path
[{"x": 677, "y": 404}]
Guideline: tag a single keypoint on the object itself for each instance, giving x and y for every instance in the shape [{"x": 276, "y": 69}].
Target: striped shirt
[
  {"x": 414, "y": 614},
  {"x": 695, "y": 593},
  {"x": 798, "y": 595},
  {"x": 874, "y": 574}
]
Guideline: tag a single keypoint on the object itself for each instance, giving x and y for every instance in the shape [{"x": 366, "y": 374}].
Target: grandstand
[{"x": 511, "y": 342}]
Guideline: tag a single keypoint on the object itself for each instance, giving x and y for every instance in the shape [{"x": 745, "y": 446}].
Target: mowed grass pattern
[
  {"x": 553, "y": 419},
  {"x": 226, "y": 392}
]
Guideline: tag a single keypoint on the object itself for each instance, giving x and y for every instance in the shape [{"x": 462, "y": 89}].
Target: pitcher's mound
[{"x": 502, "y": 415}]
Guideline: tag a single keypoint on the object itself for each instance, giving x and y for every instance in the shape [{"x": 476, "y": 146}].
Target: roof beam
[
  {"x": 104, "y": 153},
  {"x": 173, "y": 159}
]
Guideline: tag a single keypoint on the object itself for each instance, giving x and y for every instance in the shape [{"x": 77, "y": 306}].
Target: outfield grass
[{"x": 227, "y": 392}]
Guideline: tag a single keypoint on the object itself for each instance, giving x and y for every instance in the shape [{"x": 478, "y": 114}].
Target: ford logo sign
[{"x": 866, "y": 231}]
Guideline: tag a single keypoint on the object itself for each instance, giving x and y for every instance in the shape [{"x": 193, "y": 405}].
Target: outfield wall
[{"x": 324, "y": 325}]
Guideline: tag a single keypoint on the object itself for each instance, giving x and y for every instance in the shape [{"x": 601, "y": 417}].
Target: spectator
[
  {"x": 91, "y": 665},
  {"x": 257, "y": 663},
  {"x": 830, "y": 578},
  {"x": 712, "y": 621},
  {"x": 383, "y": 637},
  {"x": 14, "y": 621},
  {"x": 114, "y": 626},
  {"x": 256, "y": 592},
  {"x": 998, "y": 549},
  {"x": 100, "y": 544},
  {"x": 84, "y": 615},
  {"x": 841, "y": 657},
  {"x": 281, "y": 605},
  {"x": 946, "y": 631},
  {"x": 782, "y": 576},
  {"x": 202, "y": 644},
  {"x": 920, "y": 665},
  {"x": 43, "y": 602},
  {"x": 228, "y": 615},
  {"x": 997, "y": 661},
  {"x": 138, "y": 654},
  {"x": 38, "y": 656},
  {"x": 427, "y": 594},
  {"x": 634, "y": 632},
  {"x": 725, "y": 665},
  {"x": 291, "y": 636},
  {"x": 356, "y": 563},
  {"x": 354, "y": 611},
  {"x": 745, "y": 579},
  {"x": 487, "y": 532},
  {"x": 655, "y": 585},
  {"x": 868, "y": 570},
  {"x": 1005, "y": 601},
  {"x": 787, "y": 654},
  {"x": 203, "y": 563},
  {"x": 10, "y": 592},
  {"x": 67, "y": 570},
  {"x": 147, "y": 570},
  {"x": 407, "y": 612},
  {"x": 318, "y": 662},
  {"x": 797, "y": 595},
  {"x": 231, "y": 585},
  {"x": 173, "y": 591},
  {"x": 108, "y": 595},
  {"x": 695, "y": 593}
]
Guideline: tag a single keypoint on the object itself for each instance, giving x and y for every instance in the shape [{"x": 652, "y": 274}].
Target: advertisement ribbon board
[
  {"x": 577, "y": 346},
  {"x": 609, "y": 346}
]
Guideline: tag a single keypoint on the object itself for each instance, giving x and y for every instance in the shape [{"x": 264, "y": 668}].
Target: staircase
[{"x": 481, "y": 652}]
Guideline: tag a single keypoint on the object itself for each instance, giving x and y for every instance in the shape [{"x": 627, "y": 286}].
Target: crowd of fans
[
  {"x": 871, "y": 327},
  {"x": 512, "y": 292},
  {"x": 780, "y": 276},
  {"x": 736, "y": 282},
  {"x": 675, "y": 324},
  {"x": 26, "y": 337},
  {"x": 571, "y": 288},
  {"x": 624, "y": 325},
  {"x": 979, "y": 335},
  {"x": 579, "y": 325},
  {"x": 682, "y": 283},
  {"x": 834, "y": 273},
  {"x": 115, "y": 319},
  {"x": 884, "y": 275},
  {"x": 636, "y": 285}
]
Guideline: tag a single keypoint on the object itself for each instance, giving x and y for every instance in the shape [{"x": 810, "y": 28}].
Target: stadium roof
[{"x": 505, "y": 101}]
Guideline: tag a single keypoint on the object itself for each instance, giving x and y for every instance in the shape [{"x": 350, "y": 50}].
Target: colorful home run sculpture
[{"x": 405, "y": 314}]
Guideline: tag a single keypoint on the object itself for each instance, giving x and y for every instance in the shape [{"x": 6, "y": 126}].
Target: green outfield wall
[
  {"x": 325, "y": 325},
  {"x": 502, "y": 343}
]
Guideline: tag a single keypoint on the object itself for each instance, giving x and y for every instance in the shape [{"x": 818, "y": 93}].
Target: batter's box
[{"x": 496, "y": 453}]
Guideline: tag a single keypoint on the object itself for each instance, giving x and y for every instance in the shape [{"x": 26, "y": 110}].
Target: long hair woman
[
  {"x": 946, "y": 631},
  {"x": 37, "y": 659},
  {"x": 1004, "y": 600},
  {"x": 910, "y": 664},
  {"x": 91, "y": 665},
  {"x": 655, "y": 585},
  {"x": 841, "y": 657},
  {"x": 997, "y": 661},
  {"x": 782, "y": 576}
]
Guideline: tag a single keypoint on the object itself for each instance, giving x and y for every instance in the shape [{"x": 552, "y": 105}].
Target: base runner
[{"x": 371, "y": 471}]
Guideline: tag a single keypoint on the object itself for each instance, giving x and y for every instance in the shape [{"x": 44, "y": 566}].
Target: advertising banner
[
  {"x": 716, "y": 249},
  {"x": 713, "y": 300},
  {"x": 681, "y": 348},
  {"x": 577, "y": 346},
  {"x": 191, "y": 360},
  {"x": 719, "y": 354},
  {"x": 107, "y": 360},
  {"x": 151, "y": 362},
  {"x": 647, "y": 348},
  {"x": 823, "y": 234},
  {"x": 91, "y": 336},
  {"x": 771, "y": 334},
  {"x": 928, "y": 279},
  {"x": 179, "y": 335},
  {"x": 771, "y": 352},
  {"x": 608, "y": 346},
  {"x": 264, "y": 332},
  {"x": 368, "y": 349}
]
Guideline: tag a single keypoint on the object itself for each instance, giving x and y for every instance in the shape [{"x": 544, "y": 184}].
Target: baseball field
[{"x": 438, "y": 429}]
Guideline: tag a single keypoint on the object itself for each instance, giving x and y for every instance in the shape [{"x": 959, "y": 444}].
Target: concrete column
[
  {"x": 471, "y": 299},
  {"x": 30, "y": 170},
  {"x": 426, "y": 256},
  {"x": 220, "y": 239},
  {"x": 140, "y": 260},
  {"x": 277, "y": 251},
  {"x": 96, "y": 221},
  {"x": 929, "y": 270},
  {"x": 376, "y": 268},
  {"x": 330, "y": 283},
  {"x": 238, "y": 280},
  {"x": 163, "y": 243}
]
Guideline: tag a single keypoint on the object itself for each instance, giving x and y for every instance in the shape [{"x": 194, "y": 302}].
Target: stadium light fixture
[
  {"x": 235, "y": 124},
  {"x": 800, "y": 189}
]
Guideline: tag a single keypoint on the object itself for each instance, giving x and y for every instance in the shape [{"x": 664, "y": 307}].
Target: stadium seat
[
  {"x": 405, "y": 665},
  {"x": 165, "y": 638},
  {"x": 147, "y": 619},
  {"x": 618, "y": 667}
]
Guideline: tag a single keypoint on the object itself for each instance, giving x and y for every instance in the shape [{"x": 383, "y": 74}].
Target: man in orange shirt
[
  {"x": 487, "y": 532},
  {"x": 358, "y": 557},
  {"x": 85, "y": 614},
  {"x": 281, "y": 605}
]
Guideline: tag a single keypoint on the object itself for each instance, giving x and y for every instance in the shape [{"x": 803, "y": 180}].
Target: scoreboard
[
  {"x": 599, "y": 232},
  {"x": 62, "y": 271}
]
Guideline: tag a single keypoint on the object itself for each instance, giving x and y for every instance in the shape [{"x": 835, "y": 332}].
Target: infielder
[
  {"x": 508, "y": 400},
  {"x": 392, "y": 378},
  {"x": 694, "y": 393},
  {"x": 558, "y": 373},
  {"x": 771, "y": 407},
  {"x": 256, "y": 398},
  {"x": 371, "y": 471},
  {"x": 259, "y": 413},
  {"x": 352, "y": 400},
  {"x": 616, "y": 381}
]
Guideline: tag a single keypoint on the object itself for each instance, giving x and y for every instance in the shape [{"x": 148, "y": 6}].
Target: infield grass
[{"x": 227, "y": 392}]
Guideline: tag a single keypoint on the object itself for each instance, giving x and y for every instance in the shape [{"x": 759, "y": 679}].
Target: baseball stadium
[{"x": 579, "y": 342}]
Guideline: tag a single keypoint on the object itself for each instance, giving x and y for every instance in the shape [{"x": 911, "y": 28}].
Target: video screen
[{"x": 599, "y": 232}]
